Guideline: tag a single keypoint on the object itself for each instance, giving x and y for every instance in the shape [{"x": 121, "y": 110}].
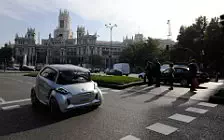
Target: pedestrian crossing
[{"x": 165, "y": 129}]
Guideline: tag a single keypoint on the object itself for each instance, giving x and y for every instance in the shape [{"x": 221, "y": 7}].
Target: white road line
[
  {"x": 15, "y": 101},
  {"x": 116, "y": 90},
  {"x": 2, "y": 100},
  {"x": 196, "y": 110},
  {"x": 129, "y": 137},
  {"x": 104, "y": 88},
  {"x": 182, "y": 118},
  {"x": 142, "y": 85},
  {"x": 10, "y": 107},
  {"x": 207, "y": 104},
  {"x": 104, "y": 92},
  {"x": 162, "y": 128}
]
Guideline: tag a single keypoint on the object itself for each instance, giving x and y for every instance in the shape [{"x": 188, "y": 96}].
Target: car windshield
[{"x": 72, "y": 77}]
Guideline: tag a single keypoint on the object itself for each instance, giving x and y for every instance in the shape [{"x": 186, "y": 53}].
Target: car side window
[
  {"x": 49, "y": 74},
  {"x": 179, "y": 70}
]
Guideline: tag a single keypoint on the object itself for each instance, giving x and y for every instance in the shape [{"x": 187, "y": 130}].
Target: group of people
[{"x": 153, "y": 70}]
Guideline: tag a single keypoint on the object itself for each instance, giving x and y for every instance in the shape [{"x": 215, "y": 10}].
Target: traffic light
[{"x": 222, "y": 20}]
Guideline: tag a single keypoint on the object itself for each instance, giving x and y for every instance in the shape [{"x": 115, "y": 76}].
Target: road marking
[
  {"x": 196, "y": 110},
  {"x": 142, "y": 85},
  {"x": 129, "y": 137},
  {"x": 10, "y": 107},
  {"x": 15, "y": 101},
  {"x": 104, "y": 88},
  {"x": 115, "y": 90},
  {"x": 207, "y": 104},
  {"x": 162, "y": 128},
  {"x": 182, "y": 118},
  {"x": 104, "y": 92},
  {"x": 2, "y": 100}
]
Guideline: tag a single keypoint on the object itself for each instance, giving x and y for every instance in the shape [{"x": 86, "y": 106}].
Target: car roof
[{"x": 65, "y": 67}]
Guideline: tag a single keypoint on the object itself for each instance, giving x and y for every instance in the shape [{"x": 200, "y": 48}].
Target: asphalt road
[{"x": 140, "y": 112}]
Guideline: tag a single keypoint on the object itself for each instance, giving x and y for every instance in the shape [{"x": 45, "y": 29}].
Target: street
[{"x": 136, "y": 113}]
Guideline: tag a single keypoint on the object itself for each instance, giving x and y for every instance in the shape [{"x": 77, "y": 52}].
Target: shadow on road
[
  {"x": 183, "y": 99},
  {"x": 25, "y": 118},
  {"x": 137, "y": 93},
  {"x": 157, "y": 96}
]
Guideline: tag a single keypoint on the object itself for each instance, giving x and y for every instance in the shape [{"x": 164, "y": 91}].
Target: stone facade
[{"x": 63, "y": 48}]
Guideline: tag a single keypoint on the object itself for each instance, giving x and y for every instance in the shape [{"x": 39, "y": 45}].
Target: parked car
[
  {"x": 12, "y": 68},
  {"x": 114, "y": 72},
  {"x": 27, "y": 68},
  {"x": 122, "y": 67},
  {"x": 181, "y": 75},
  {"x": 65, "y": 87}
]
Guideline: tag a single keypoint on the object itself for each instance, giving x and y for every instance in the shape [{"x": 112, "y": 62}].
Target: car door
[{"x": 46, "y": 83}]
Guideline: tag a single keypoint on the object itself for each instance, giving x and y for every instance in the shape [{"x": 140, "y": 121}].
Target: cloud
[{"x": 147, "y": 16}]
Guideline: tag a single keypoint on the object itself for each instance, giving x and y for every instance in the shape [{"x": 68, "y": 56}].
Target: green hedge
[
  {"x": 114, "y": 79},
  {"x": 104, "y": 79}
]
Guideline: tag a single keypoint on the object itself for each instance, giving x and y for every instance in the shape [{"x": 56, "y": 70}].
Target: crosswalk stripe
[
  {"x": 162, "y": 128},
  {"x": 196, "y": 110},
  {"x": 182, "y": 118},
  {"x": 129, "y": 137},
  {"x": 15, "y": 101},
  {"x": 10, "y": 107},
  {"x": 207, "y": 104}
]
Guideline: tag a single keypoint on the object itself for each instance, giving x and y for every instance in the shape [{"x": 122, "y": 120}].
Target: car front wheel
[
  {"x": 54, "y": 107},
  {"x": 34, "y": 100},
  {"x": 184, "y": 83}
]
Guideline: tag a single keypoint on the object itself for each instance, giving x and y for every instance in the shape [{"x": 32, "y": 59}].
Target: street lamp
[{"x": 110, "y": 26}]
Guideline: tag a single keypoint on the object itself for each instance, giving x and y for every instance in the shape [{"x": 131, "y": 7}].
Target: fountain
[{"x": 25, "y": 60}]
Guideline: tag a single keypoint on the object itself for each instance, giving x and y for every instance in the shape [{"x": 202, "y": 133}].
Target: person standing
[
  {"x": 171, "y": 76},
  {"x": 193, "y": 68},
  {"x": 149, "y": 72},
  {"x": 157, "y": 71}
]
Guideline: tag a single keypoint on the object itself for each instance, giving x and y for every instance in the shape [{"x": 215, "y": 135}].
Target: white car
[{"x": 65, "y": 87}]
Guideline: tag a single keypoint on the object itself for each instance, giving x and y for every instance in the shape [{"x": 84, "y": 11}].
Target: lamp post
[{"x": 110, "y": 26}]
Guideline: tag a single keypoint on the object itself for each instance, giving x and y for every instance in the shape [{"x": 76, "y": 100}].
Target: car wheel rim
[{"x": 184, "y": 82}]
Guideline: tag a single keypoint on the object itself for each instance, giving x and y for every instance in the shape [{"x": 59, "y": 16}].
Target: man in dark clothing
[
  {"x": 148, "y": 70},
  {"x": 171, "y": 76},
  {"x": 193, "y": 68},
  {"x": 157, "y": 72}
]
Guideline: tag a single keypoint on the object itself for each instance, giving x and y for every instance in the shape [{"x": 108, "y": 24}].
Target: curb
[
  {"x": 116, "y": 86},
  {"x": 216, "y": 99}
]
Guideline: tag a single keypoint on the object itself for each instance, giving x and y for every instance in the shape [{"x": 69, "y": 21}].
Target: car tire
[
  {"x": 34, "y": 100},
  {"x": 54, "y": 107},
  {"x": 141, "y": 77},
  {"x": 184, "y": 83}
]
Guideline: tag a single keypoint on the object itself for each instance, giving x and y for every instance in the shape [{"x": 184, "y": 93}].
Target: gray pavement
[{"x": 139, "y": 112}]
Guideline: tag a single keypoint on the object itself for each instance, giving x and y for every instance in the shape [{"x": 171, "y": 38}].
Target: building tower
[
  {"x": 63, "y": 30},
  {"x": 80, "y": 33}
]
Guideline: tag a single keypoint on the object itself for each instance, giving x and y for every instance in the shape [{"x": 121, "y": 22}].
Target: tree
[
  {"x": 136, "y": 54},
  {"x": 5, "y": 55},
  {"x": 97, "y": 60}
]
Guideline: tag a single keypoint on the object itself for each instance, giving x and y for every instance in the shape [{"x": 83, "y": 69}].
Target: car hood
[{"x": 80, "y": 87}]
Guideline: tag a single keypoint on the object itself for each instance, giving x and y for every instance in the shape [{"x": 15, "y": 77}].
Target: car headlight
[{"x": 61, "y": 90}]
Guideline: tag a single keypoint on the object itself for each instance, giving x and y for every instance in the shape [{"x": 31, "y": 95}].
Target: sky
[{"x": 132, "y": 16}]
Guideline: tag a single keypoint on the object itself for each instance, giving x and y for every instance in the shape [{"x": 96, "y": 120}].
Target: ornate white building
[{"x": 64, "y": 48}]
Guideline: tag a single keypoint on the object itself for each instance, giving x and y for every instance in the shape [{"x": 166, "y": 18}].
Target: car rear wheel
[
  {"x": 34, "y": 100},
  {"x": 54, "y": 107},
  {"x": 184, "y": 83}
]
